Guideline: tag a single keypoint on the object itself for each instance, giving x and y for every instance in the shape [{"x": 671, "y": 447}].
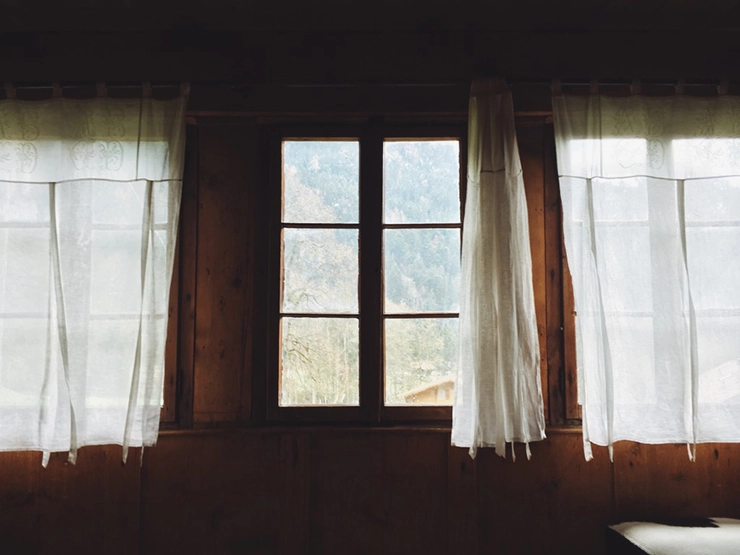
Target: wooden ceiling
[
  {"x": 375, "y": 42},
  {"x": 371, "y": 15}
]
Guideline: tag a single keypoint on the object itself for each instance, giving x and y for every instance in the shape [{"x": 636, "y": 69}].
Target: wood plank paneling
[
  {"x": 379, "y": 492},
  {"x": 225, "y": 273},
  {"x": 659, "y": 481},
  {"x": 91, "y": 507},
  {"x": 19, "y": 489},
  {"x": 348, "y": 493},
  {"x": 555, "y": 503},
  {"x": 93, "y": 504},
  {"x": 291, "y": 492},
  {"x": 416, "y": 481},
  {"x": 531, "y": 144},
  {"x": 295, "y": 459},
  {"x": 554, "y": 288},
  {"x": 462, "y": 501},
  {"x": 213, "y": 493}
]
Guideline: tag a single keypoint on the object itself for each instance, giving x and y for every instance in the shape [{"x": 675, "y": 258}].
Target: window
[
  {"x": 651, "y": 211},
  {"x": 365, "y": 273},
  {"x": 89, "y": 202}
]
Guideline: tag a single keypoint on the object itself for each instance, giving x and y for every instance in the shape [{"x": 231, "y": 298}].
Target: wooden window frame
[
  {"x": 177, "y": 409},
  {"x": 371, "y": 135},
  {"x": 557, "y": 319}
]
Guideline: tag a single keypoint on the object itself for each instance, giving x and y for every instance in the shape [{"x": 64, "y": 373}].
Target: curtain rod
[{"x": 101, "y": 87}]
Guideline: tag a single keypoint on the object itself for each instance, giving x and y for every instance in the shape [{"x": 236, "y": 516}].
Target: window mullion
[{"x": 370, "y": 283}]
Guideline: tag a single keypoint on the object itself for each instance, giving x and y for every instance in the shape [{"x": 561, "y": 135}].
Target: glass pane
[
  {"x": 24, "y": 270},
  {"x": 116, "y": 272},
  {"x": 421, "y": 181},
  {"x": 420, "y": 361},
  {"x": 320, "y": 270},
  {"x": 320, "y": 362},
  {"x": 619, "y": 199},
  {"x": 321, "y": 181},
  {"x": 711, "y": 200},
  {"x": 24, "y": 346},
  {"x": 422, "y": 270},
  {"x": 625, "y": 268},
  {"x": 719, "y": 359},
  {"x": 24, "y": 202},
  {"x": 110, "y": 358},
  {"x": 119, "y": 203},
  {"x": 635, "y": 361},
  {"x": 714, "y": 266}
]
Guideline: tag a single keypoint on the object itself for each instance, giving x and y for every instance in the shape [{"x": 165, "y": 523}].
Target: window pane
[
  {"x": 119, "y": 203},
  {"x": 719, "y": 359},
  {"x": 116, "y": 272},
  {"x": 24, "y": 344},
  {"x": 320, "y": 270},
  {"x": 421, "y": 181},
  {"x": 422, "y": 270},
  {"x": 625, "y": 268},
  {"x": 321, "y": 181},
  {"x": 619, "y": 199},
  {"x": 110, "y": 358},
  {"x": 320, "y": 362},
  {"x": 714, "y": 266},
  {"x": 24, "y": 270},
  {"x": 24, "y": 202},
  {"x": 420, "y": 361},
  {"x": 712, "y": 200}
]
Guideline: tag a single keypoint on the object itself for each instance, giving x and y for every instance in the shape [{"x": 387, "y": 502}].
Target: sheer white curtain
[
  {"x": 498, "y": 393},
  {"x": 89, "y": 203},
  {"x": 651, "y": 213}
]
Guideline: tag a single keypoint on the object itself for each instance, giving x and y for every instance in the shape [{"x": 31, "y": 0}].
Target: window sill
[{"x": 338, "y": 427}]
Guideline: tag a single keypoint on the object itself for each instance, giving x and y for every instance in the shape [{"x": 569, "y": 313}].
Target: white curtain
[
  {"x": 89, "y": 203},
  {"x": 498, "y": 396},
  {"x": 651, "y": 213}
]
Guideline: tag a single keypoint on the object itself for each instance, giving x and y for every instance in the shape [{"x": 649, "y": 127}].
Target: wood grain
[
  {"x": 554, "y": 288},
  {"x": 187, "y": 275},
  {"x": 225, "y": 272},
  {"x": 554, "y": 503},
  {"x": 462, "y": 501},
  {"x": 348, "y": 494},
  {"x": 91, "y": 507},
  {"x": 531, "y": 142},
  {"x": 654, "y": 481},
  {"x": 213, "y": 493}
]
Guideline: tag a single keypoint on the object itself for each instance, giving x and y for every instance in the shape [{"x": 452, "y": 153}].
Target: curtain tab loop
[
  {"x": 557, "y": 87},
  {"x": 680, "y": 86},
  {"x": 723, "y": 88},
  {"x": 56, "y": 90},
  {"x": 185, "y": 88},
  {"x": 101, "y": 90},
  {"x": 146, "y": 89},
  {"x": 636, "y": 87},
  {"x": 9, "y": 90},
  {"x": 593, "y": 86}
]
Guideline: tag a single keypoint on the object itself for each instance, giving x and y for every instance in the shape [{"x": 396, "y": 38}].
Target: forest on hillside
[{"x": 421, "y": 268}]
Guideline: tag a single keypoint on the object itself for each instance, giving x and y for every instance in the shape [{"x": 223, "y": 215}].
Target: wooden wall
[
  {"x": 232, "y": 485},
  {"x": 350, "y": 491}
]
